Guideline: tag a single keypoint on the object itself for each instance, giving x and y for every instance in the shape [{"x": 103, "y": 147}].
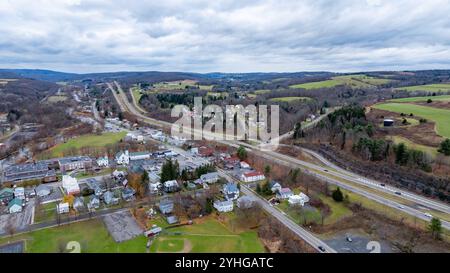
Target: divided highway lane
[
  {"x": 388, "y": 189},
  {"x": 313, "y": 170},
  {"x": 293, "y": 162},
  {"x": 301, "y": 232}
]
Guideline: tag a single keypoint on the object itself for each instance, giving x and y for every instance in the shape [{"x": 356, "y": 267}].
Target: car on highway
[
  {"x": 401, "y": 207},
  {"x": 325, "y": 170},
  {"x": 382, "y": 184},
  {"x": 321, "y": 248},
  {"x": 428, "y": 215},
  {"x": 398, "y": 193}
]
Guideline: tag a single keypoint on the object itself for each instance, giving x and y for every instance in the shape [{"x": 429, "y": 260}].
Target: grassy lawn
[
  {"x": 261, "y": 91},
  {"x": 440, "y": 116},
  {"x": 355, "y": 81},
  {"x": 432, "y": 151},
  {"x": 338, "y": 210},
  {"x": 207, "y": 235},
  {"x": 47, "y": 213},
  {"x": 92, "y": 235},
  {"x": 439, "y": 87},
  {"x": 54, "y": 99},
  {"x": 301, "y": 215},
  {"x": 137, "y": 94},
  {"x": 86, "y": 141},
  {"x": 290, "y": 99},
  {"x": 86, "y": 175},
  {"x": 421, "y": 99}
]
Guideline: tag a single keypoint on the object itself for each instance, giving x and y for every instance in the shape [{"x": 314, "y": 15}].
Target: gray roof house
[
  {"x": 230, "y": 191},
  {"x": 78, "y": 203},
  {"x": 43, "y": 190},
  {"x": 210, "y": 177},
  {"x": 94, "y": 202},
  {"x": 109, "y": 198},
  {"x": 128, "y": 193},
  {"x": 166, "y": 206}
]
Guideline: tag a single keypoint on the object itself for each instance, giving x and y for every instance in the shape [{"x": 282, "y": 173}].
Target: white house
[
  {"x": 252, "y": 176},
  {"x": 275, "y": 186},
  {"x": 299, "y": 199},
  {"x": 70, "y": 184},
  {"x": 244, "y": 165},
  {"x": 62, "y": 208},
  {"x": 123, "y": 158},
  {"x": 139, "y": 156},
  {"x": 154, "y": 187},
  {"x": 171, "y": 186},
  {"x": 19, "y": 192},
  {"x": 224, "y": 206},
  {"x": 284, "y": 193},
  {"x": 209, "y": 177},
  {"x": 15, "y": 205},
  {"x": 103, "y": 161}
]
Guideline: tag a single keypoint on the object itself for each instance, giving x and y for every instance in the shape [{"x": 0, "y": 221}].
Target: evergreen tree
[
  {"x": 445, "y": 147},
  {"x": 435, "y": 228},
  {"x": 337, "y": 195},
  {"x": 242, "y": 153}
]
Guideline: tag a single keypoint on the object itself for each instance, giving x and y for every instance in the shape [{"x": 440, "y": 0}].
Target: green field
[
  {"x": 86, "y": 141},
  {"x": 426, "y": 149},
  {"x": 92, "y": 235},
  {"x": 440, "y": 116},
  {"x": 261, "y": 91},
  {"x": 290, "y": 99},
  {"x": 355, "y": 81},
  {"x": 422, "y": 99},
  {"x": 439, "y": 87},
  {"x": 209, "y": 235},
  {"x": 338, "y": 210}
]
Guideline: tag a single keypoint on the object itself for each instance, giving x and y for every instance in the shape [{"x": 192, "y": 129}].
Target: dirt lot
[{"x": 122, "y": 226}]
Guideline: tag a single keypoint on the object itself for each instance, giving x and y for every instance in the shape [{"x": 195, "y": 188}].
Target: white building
[
  {"x": 122, "y": 158},
  {"x": 139, "y": 156},
  {"x": 252, "y": 176},
  {"x": 299, "y": 199},
  {"x": 70, "y": 184},
  {"x": 62, "y": 208},
  {"x": 223, "y": 206},
  {"x": 244, "y": 165},
  {"x": 284, "y": 193},
  {"x": 103, "y": 161},
  {"x": 19, "y": 192}
]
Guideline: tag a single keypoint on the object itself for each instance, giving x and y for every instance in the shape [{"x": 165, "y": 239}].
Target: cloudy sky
[{"x": 226, "y": 36}]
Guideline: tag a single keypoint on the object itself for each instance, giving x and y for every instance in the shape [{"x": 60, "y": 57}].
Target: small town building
[
  {"x": 172, "y": 219},
  {"x": 244, "y": 165},
  {"x": 298, "y": 199},
  {"x": 62, "y": 208},
  {"x": 67, "y": 164},
  {"x": 6, "y": 195},
  {"x": 15, "y": 205},
  {"x": 128, "y": 193},
  {"x": 103, "y": 161},
  {"x": 284, "y": 193},
  {"x": 94, "y": 202},
  {"x": 139, "y": 156},
  {"x": 19, "y": 192},
  {"x": 223, "y": 206},
  {"x": 166, "y": 206},
  {"x": 252, "y": 176},
  {"x": 387, "y": 122},
  {"x": 274, "y": 186},
  {"x": 230, "y": 191},
  {"x": 43, "y": 190},
  {"x": 78, "y": 203},
  {"x": 110, "y": 199},
  {"x": 122, "y": 158},
  {"x": 171, "y": 186},
  {"x": 210, "y": 177},
  {"x": 70, "y": 185}
]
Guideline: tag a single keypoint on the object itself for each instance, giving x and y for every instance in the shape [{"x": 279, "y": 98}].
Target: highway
[
  {"x": 346, "y": 180},
  {"x": 280, "y": 216}
]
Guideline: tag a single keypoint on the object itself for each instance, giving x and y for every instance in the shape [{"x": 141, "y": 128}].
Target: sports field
[
  {"x": 86, "y": 141},
  {"x": 207, "y": 235},
  {"x": 439, "y": 87},
  {"x": 440, "y": 116}
]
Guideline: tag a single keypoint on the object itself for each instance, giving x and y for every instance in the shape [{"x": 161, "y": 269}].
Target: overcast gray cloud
[{"x": 227, "y": 36}]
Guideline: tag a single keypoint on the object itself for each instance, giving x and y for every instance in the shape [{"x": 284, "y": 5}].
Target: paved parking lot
[
  {"x": 19, "y": 220},
  {"x": 122, "y": 226}
]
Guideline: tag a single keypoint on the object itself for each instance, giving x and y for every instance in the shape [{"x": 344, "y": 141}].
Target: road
[
  {"x": 280, "y": 216},
  {"x": 351, "y": 182}
]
